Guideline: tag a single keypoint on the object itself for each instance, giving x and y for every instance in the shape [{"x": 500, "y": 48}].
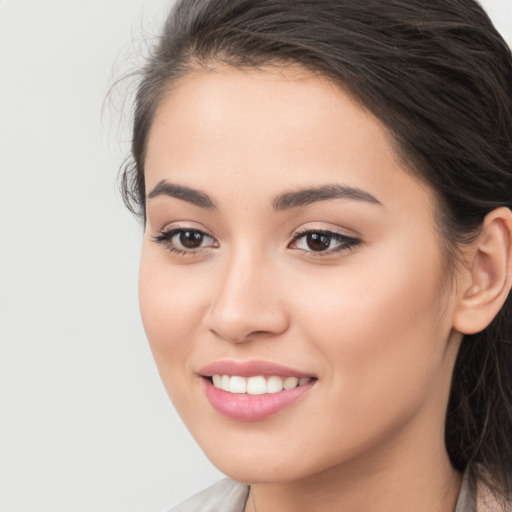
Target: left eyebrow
[{"x": 324, "y": 193}]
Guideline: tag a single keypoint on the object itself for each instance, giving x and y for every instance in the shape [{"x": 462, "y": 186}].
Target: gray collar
[{"x": 467, "y": 495}]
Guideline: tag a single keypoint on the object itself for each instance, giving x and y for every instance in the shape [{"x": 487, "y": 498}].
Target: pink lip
[
  {"x": 246, "y": 407},
  {"x": 252, "y": 407},
  {"x": 250, "y": 369}
]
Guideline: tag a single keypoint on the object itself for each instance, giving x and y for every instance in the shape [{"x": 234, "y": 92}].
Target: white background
[{"x": 85, "y": 424}]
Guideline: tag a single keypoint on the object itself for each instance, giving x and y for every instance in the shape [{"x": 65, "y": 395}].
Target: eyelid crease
[{"x": 328, "y": 231}]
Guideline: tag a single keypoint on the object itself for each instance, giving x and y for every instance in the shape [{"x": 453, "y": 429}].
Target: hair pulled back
[{"x": 439, "y": 76}]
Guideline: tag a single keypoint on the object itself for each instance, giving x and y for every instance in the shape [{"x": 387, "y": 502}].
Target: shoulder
[{"x": 224, "y": 496}]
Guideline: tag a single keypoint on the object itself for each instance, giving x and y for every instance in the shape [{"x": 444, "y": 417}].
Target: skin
[{"x": 375, "y": 323}]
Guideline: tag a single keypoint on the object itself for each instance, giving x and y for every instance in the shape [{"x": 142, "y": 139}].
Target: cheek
[
  {"x": 377, "y": 325},
  {"x": 171, "y": 301}
]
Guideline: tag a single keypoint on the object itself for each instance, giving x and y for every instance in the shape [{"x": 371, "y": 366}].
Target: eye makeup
[
  {"x": 189, "y": 241},
  {"x": 322, "y": 242},
  {"x": 185, "y": 241}
]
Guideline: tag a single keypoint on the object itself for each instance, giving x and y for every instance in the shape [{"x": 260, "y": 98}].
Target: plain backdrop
[{"x": 85, "y": 424}]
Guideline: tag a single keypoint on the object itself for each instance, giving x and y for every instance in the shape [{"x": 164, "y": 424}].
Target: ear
[{"x": 485, "y": 283}]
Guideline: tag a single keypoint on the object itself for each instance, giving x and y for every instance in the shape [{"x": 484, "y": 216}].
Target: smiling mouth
[{"x": 257, "y": 385}]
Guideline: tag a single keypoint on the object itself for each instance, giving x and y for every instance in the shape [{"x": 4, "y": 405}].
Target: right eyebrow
[{"x": 196, "y": 197}]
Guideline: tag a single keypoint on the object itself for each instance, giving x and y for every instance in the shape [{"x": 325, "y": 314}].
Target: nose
[{"x": 246, "y": 303}]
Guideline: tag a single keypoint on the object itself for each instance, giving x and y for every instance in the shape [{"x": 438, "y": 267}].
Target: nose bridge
[{"x": 246, "y": 299}]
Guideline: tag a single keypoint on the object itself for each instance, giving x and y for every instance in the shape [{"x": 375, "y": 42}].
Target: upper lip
[{"x": 250, "y": 369}]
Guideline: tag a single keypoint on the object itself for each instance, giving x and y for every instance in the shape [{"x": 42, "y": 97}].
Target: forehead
[
  {"x": 269, "y": 130},
  {"x": 279, "y": 108}
]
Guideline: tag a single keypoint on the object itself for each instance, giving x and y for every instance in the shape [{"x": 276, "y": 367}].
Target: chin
[
  {"x": 258, "y": 462},
  {"x": 258, "y": 472}
]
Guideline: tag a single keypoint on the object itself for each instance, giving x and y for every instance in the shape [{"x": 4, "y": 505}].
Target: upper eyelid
[
  {"x": 347, "y": 228},
  {"x": 170, "y": 226},
  {"x": 328, "y": 231}
]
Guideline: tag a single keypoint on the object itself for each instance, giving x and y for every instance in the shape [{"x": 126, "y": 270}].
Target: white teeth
[
  {"x": 237, "y": 384},
  {"x": 290, "y": 383},
  {"x": 225, "y": 383},
  {"x": 274, "y": 385},
  {"x": 257, "y": 385}
]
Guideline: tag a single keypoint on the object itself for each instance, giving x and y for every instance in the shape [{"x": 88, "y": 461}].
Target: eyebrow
[
  {"x": 283, "y": 202},
  {"x": 324, "y": 193},
  {"x": 164, "y": 188}
]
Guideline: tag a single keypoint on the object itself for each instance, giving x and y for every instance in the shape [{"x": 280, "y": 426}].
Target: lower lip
[{"x": 241, "y": 406}]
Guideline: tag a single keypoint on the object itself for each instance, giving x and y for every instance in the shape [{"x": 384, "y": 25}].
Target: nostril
[
  {"x": 241, "y": 312},
  {"x": 256, "y": 333}
]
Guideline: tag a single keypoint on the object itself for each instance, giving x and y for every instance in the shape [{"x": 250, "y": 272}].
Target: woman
[{"x": 325, "y": 187}]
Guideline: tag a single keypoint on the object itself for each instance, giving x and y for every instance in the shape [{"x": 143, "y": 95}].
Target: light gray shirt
[{"x": 230, "y": 496}]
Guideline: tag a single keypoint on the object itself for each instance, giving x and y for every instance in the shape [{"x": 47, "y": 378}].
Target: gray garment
[
  {"x": 230, "y": 496},
  {"x": 467, "y": 496},
  {"x": 224, "y": 496}
]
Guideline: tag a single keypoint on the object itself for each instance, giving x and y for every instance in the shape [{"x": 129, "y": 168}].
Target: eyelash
[
  {"x": 165, "y": 238},
  {"x": 346, "y": 243}
]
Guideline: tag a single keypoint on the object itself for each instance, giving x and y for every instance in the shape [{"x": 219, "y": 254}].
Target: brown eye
[
  {"x": 191, "y": 239},
  {"x": 185, "y": 241},
  {"x": 323, "y": 242},
  {"x": 318, "y": 241}
]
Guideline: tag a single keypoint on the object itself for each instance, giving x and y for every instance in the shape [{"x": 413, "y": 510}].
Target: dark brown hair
[{"x": 439, "y": 76}]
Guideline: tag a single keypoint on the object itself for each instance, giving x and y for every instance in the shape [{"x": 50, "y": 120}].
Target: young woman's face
[{"x": 286, "y": 246}]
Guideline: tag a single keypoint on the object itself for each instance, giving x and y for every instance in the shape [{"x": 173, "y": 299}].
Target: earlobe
[{"x": 488, "y": 278}]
